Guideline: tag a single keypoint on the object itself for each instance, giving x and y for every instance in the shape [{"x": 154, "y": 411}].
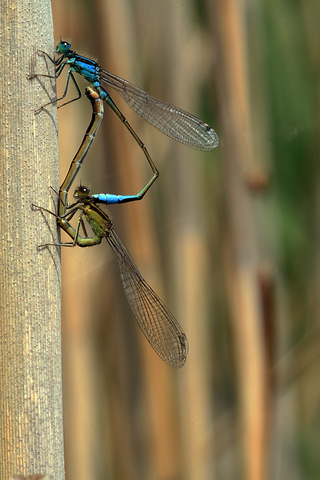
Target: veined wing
[
  {"x": 159, "y": 326},
  {"x": 169, "y": 119}
]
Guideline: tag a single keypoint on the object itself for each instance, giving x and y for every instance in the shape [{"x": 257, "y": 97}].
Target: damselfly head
[
  {"x": 82, "y": 192},
  {"x": 63, "y": 47}
]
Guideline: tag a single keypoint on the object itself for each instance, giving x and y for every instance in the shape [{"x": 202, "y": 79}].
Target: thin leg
[
  {"x": 84, "y": 228},
  {"x": 48, "y": 56},
  {"x": 59, "y": 197},
  {"x": 69, "y": 75},
  {"x": 76, "y": 237},
  {"x": 51, "y": 244},
  {"x": 66, "y": 244},
  {"x": 44, "y": 209},
  {"x": 67, "y": 216},
  {"x": 34, "y": 75}
]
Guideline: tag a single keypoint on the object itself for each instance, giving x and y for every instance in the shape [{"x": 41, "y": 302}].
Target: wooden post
[{"x": 31, "y": 428}]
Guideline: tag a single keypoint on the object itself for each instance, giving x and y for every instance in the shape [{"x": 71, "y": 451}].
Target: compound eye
[
  {"x": 82, "y": 192},
  {"x": 63, "y": 47}
]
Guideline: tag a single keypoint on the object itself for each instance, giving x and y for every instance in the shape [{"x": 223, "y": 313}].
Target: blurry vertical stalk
[
  {"x": 160, "y": 456},
  {"x": 30, "y": 337},
  {"x": 186, "y": 210},
  {"x": 244, "y": 249}
]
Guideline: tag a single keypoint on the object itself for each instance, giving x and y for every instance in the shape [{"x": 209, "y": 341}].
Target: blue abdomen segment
[{"x": 109, "y": 198}]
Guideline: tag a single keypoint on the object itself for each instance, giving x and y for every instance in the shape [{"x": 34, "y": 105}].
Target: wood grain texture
[{"x": 30, "y": 333}]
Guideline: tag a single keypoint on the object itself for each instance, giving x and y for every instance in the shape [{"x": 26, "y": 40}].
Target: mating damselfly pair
[{"x": 161, "y": 329}]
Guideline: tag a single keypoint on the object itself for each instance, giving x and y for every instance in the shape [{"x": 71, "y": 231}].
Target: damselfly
[
  {"x": 159, "y": 326},
  {"x": 169, "y": 119}
]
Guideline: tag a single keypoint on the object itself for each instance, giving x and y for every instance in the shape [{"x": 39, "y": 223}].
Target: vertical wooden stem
[{"x": 30, "y": 335}]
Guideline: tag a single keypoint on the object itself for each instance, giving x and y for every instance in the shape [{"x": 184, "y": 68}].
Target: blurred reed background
[{"x": 228, "y": 239}]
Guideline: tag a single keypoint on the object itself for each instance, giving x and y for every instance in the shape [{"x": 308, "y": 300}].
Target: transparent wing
[
  {"x": 161, "y": 329},
  {"x": 170, "y": 120}
]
